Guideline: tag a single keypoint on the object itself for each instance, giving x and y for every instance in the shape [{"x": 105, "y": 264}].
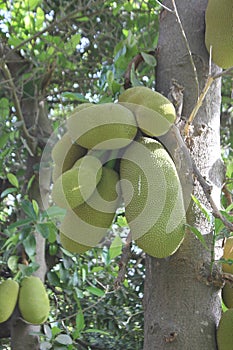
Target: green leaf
[
  {"x": 28, "y": 209},
  {"x": 39, "y": 18},
  {"x": 35, "y": 207},
  {"x": 94, "y": 330},
  {"x": 4, "y": 108},
  {"x": 30, "y": 182},
  {"x": 13, "y": 180},
  {"x": 198, "y": 235},
  {"x": 12, "y": 263},
  {"x": 121, "y": 221},
  {"x": 96, "y": 291},
  {"x": 30, "y": 245},
  {"x": 54, "y": 212},
  {"x": 64, "y": 339},
  {"x": 115, "y": 248},
  {"x": 43, "y": 229},
  {"x": 47, "y": 332},
  {"x": 19, "y": 223},
  {"x": 149, "y": 59},
  {"x": 80, "y": 324},
  {"x": 4, "y": 139},
  {"x": 203, "y": 208},
  {"x": 74, "y": 96},
  {"x": 8, "y": 191},
  {"x": 31, "y": 4}
]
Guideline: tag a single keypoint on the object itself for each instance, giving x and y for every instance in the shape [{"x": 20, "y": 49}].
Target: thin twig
[
  {"x": 165, "y": 7},
  {"x": 187, "y": 45},
  {"x": 30, "y": 139},
  {"x": 207, "y": 190},
  {"x": 198, "y": 104},
  {"x": 126, "y": 254}
]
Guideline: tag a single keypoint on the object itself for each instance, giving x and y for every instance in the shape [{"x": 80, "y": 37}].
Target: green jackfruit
[
  {"x": 154, "y": 112},
  {"x": 9, "y": 291},
  {"x": 219, "y": 31},
  {"x": 103, "y": 126},
  {"x": 74, "y": 186},
  {"x": 228, "y": 254},
  {"x": 227, "y": 295},
  {"x": 33, "y": 300},
  {"x": 72, "y": 246},
  {"x": 153, "y": 198},
  {"x": 88, "y": 223},
  {"x": 64, "y": 154},
  {"x": 225, "y": 331}
]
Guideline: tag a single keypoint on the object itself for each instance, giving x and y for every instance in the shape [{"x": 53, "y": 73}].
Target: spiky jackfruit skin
[
  {"x": 72, "y": 246},
  {"x": 227, "y": 295},
  {"x": 103, "y": 126},
  {"x": 155, "y": 211},
  {"x": 74, "y": 186},
  {"x": 219, "y": 31},
  {"x": 64, "y": 154},
  {"x": 228, "y": 254},
  {"x": 33, "y": 302},
  {"x": 154, "y": 112},
  {"x": 225, "y": 331},
  {"x": 9, "y": 291},
  {"x": 88, "y": 223}
]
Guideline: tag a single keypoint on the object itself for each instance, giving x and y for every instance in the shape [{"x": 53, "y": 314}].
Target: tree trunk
[
  {"x": 31, "y": 109},
  {"x": 181, "y": 297}
]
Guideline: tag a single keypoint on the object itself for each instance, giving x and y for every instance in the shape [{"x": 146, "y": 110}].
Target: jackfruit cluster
[
  {"x": 219, "y": 32},
  {"x": 30, "y": 296},
  {"x": 120, "y": 163},
  {"x": 225, "y": 327}
]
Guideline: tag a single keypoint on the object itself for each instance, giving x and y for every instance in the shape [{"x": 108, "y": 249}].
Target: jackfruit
[
  {"x": 154, "y": 112},
  {"x": 153, "y": 198},
  {"x": 219, "y": 31},
  {"x": 227, "y": 295},
  {"x": 74, "y": 186},
  {"x": 103, "y": 126},
  {"x": 225, "y": 331},
  {"x": 33, "y": 300},
  {"x": 88, "y": 223},
  {"x": 64, "y": 154},
  {"x": 228, "y": 254},
  {"x": 9, "y": 291},
  {"x": 72, "y": 246}
]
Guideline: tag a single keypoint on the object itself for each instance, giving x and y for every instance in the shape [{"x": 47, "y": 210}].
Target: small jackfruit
[
  {"x": 154, "y": 112},
  {"x": 9, "y": 291},
  {"x": 228, "y": 254},
  {"x": 64, "y": 154},
  {"x": 227, "y": 295},
  {"x": 153, "y": 198},
  {"x": 103, "y": 126},
  {"x": 72, "y": 246},
  {"x": 88, "y": 223},
  {"x": 219, "y": 31},
  {"x": 225, "y": 331},
  {"x": 74, "y": 186},
  {"x": 33, "y": 300}
]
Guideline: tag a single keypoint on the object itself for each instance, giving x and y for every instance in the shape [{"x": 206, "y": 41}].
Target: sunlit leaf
[
  {"x": 13, "y": 179},
  {"x": 96, "y": 291}
]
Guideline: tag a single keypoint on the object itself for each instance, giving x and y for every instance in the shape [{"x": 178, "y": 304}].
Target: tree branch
[
  {"x": 207, "y": 190},
  {"x": 31, "y": 142},
  {"x": 126, "y": 254}
]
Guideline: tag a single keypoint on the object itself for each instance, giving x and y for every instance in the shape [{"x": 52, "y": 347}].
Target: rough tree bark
[{"x": 181, "y": 300}]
